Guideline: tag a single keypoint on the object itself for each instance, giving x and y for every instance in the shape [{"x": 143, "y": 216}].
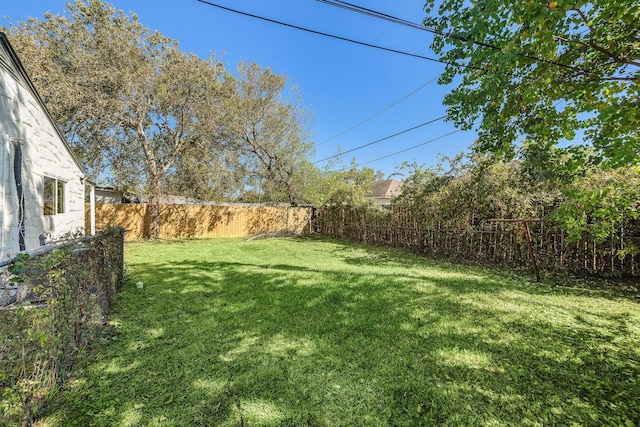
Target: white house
[{"x": 42, "y": 186}]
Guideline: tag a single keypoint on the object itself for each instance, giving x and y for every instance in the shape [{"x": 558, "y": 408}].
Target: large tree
[
  {"x": 174, "y": 111},
  {"x": 268, "y": 129},
  {"x": 128, "y": 99},
  {"x": 565, "y": 71}
]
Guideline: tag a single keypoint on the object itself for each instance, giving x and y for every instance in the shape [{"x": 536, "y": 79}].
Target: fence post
[{"x": 532, "y": 254}]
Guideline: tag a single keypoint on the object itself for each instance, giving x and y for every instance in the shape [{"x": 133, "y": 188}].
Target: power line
[
  {"x": 344, "y": 66},
  {"x": 379, "y": 112},
  {"x": 381, "y": 139},
  {"x": 361, "y": 44},
  {"x": 406, "y": 149},
  {"x": 373, "y": 13},
  {"x": 410, "y": 148},
  {"x": 320, "y": 33},
  {"x": 390, "y": 18}
]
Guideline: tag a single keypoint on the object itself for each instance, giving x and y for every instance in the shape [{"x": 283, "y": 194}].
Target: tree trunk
[{"x": 154, "y": 207}]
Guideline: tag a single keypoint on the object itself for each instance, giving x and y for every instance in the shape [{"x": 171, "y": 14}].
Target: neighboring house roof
[
  {"x": 9, "y": 61},
  {"x": 109, "y": 195},
  {"x": 386, "y": 189}
]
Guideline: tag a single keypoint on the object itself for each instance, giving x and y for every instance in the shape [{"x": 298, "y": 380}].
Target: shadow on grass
[{"x": 241, "y": 343}]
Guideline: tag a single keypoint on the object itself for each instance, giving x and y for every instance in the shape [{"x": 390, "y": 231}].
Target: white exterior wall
[
  {"x": 108, "y": 196},
  {"x": 43, "y": 154}
]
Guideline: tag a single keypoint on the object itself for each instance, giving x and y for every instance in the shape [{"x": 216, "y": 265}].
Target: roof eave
[{"x": 34, "y": 92}]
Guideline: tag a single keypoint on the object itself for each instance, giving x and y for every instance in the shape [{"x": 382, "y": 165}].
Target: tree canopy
[
  {"x": 562, "y": 72},
  {"x": 129, "y": 100},
  {"x": 268, "y": 132},
  {"x": 134, "y": 106}
]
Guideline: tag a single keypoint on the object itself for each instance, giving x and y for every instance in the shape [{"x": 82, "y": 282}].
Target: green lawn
[{"x": 297, "y": 332}]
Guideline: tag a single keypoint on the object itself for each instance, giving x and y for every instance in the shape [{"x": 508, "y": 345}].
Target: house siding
[{"x": 23, "y": 121}]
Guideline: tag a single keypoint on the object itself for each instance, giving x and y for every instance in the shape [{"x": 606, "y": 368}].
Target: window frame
[
  {"x": 54, "y": 196},
  {"x": 60, "y": 197}
]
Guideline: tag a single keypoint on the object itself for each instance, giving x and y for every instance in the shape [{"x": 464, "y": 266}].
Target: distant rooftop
[
  {"x": 386, "y": 189},
  {"x": 382, "y": 192}
]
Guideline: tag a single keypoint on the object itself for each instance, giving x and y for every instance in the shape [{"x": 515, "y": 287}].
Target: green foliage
[
  {"x": 35, "y": 339},
  {"x": 603, "y": 204},
  {"x": 267, "y": 128},
  {"x": 474, "y": 189},
  {"x": 348, "y": 186},
  {"x": 211, "y": 175},
  {"x": 138, "y": 109},
  {"x": 584, "y": 199},
  {"x": 130, "y": 101},
  {"x": 25, "y": 375},
  {"x": 557, "y": 85},
  {"x": 420, "y": 182},
  {"x": 42, "y": 337},
  {"x": 551, "y": 167},
  {"x": 561, "y": 70}
]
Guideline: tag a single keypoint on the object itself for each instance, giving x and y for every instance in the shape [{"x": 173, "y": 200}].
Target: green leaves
[
  {"x": 601, "y": 203},
  {"x": 561, "y": 92},
  {"x": 555, "y": 71},
  {"x": 18, "y": 268},
  {"x": 268, "y": 126}
]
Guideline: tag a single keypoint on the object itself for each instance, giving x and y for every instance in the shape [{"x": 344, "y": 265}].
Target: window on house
[
  {"x": 49, "y": 195},
  {"x": 60, "y": 197},
  {"x": 53, "y": 196}
]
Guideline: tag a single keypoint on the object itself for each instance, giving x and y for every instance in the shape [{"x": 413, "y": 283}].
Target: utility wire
[
  {"x": 379, "y": 112},
  {"x": 370, "y": 12},
  {"x": 361, "y": 44},
  {"x": 381, "y": 139},
  {"x": 355, "y": 58},
  {"x": 380, "y": 15},
  {"x": 411, "y": 148},
  {"x": 320, "y": 33},
  {"x": 363, "y": 10}
]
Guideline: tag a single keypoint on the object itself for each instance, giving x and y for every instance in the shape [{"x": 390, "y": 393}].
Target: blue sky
[{"x": 341, "y": 83}]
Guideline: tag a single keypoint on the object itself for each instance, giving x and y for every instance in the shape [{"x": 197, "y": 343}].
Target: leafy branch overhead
[{"x": 549, "y": 73}]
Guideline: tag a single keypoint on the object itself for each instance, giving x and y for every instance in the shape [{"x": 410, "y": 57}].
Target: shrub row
[{"x": 69, "y": 291}]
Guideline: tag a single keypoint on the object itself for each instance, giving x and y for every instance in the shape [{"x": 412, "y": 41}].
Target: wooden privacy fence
[
  {"x": 502, "y": 243},
  {"x": 190, "y": 221}
]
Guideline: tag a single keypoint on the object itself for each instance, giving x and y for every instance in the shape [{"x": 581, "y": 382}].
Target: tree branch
[
  {"x": 600, "y": 49},
  {"x": 582, "y": 16}
]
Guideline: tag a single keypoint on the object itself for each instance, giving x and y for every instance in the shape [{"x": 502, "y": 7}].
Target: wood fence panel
[
  {"x": 132, "y": 217},
  {"x": 190, "y": 221}
]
